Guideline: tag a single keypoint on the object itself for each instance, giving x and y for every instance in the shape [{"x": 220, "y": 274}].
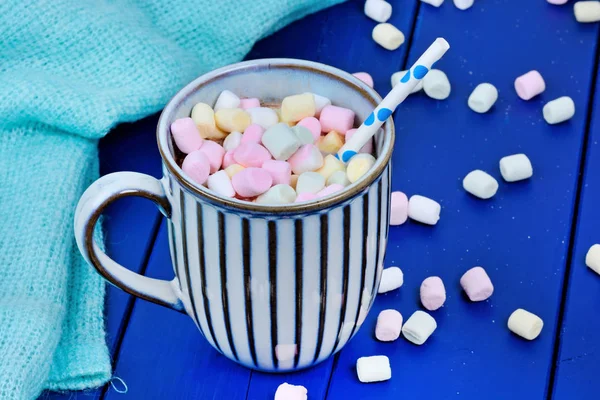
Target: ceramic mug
[{"x": 275, "y": 288}]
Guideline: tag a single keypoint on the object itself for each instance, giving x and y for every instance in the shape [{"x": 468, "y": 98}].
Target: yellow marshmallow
[
  {"x": 294, "y": 108},
  {"x": 359, "y": 165},
  {"x": 204, "y": 118},
  {"x": 233, "y": 169},
  {"x": 232, "y": 119},
  {"x": 331, "y": 143},
  {"x": 294, "y": 181},
  {"x": 330, "y": 165}
]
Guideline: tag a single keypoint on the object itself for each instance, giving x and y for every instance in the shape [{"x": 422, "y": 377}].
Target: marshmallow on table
[
  {"x": 392, "y": 278},
  {"x": 515, "y": 167},
  {"x": 378, "y": 10},
  {"x": 339, "y": 178},
  {"x": 251, "y": 182},
  {"x": 433, "y": 293},
  {"x": 331, "y": 164},
  {"x": 311, "y": 182},
  {"x": 587, "y": 11},
  {"x": 525, "y": 324},
  {"x": 307, "y": 158},
  {"x": 398, "y": 208},
  {"x": 186, "y": 135},
  {"x": 328, "y": 190},
  {"x": 419, "y": 327},
  {"x": 232, "y": 119},
  {"x": 320, "y": 103},
  {"x": 367, "y": 148},
  {"x": 463, "y": 4},
  {"x": 592, "y": 258},
  {"x": 251, "y": 155},
  {"x": 529, "y": 85},
  {"x": 249, "y": 103},
  {"x": 215, "y": 153},
  {"x": 253, "y": 133},
  {"x": 396, "y": 76},
  {"x": 559, "y": 110},
  {"x": 424, "y": 210},
  {"x": 365, "y": 77},
  {"x": 334, "y": 118},
  {"x": 557, "y": 2},
  {"x": 373, "y": 369},
  {"x": 281, "y": 141},
  {"x": 227, "y": 99},
  {"x": 483, "y": 97},
  {"x": 220, "y": 183},
  {"x": 204, "y": 118},
  {"x": 358, "y": 166},
  {"x": 296, "y": 107},
  {"x": 389, "y": 326},
  {"x": 281, "y": 171},
  {"x": 304, "y": 134},
  {"x": 197, "y": 166},
  {"x": 232, "y": 141},
  {"x": 436, "y": 85},
  {"x": 286, "y": 391},
  {"x": 480, "y": 184},
  {"x": 477, "y": 284},
  {"x": 278, "y": 194},
  {"x": 435, "y": 3},
  {"x": 263, "y": 116},
  {"x": 313, "y": 125},
  {"x": 233, "y": 169},
  {"x": 331, "y": 143},
  {"x": 388, "y": 36}
]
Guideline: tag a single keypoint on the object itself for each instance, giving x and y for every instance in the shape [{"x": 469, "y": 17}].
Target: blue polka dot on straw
[
  {"x": 420, "y": 71},
  {"x": 384, "y": 114},
  {"x": 369, "y": 121},
  {"x": 406, "y": 77},
  {"x": 348, "y": 154}
]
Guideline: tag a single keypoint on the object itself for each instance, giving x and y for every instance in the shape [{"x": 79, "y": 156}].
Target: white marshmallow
[
  {"x": 220, "y": 183},
  {"x": 424, "y": 210},
  {"x": 587, "y": 11},
  {"x": 338, "y": 177},
  {"x": 388, "y": 36},
  {"x": 304, "y": 134},
  {"x": 419, "y": 327},
  {"x": 320, "y": 103},
  {"x": 480, "y": 184},
  {"x": 232, "y": 141},
  {"x": 281, "y": 141},
  {"x": 592, "y": 258},
  {"x": 559, "y": 110},
  {"x": 263, "y": 116},
  {"x": 285, "y": 391},
  {"x": 378, "y": 10},
  {"x": 515, "y": 167},
  {"x": 373, "y": 369},
  {"x": 483, "y": 98},
  {"x": 436, "y": 85},
  {"x": 278, "y": 194},
  {"x": 310, "y": 182},
  {"x": 227, "y": 99},
  {"x": 396, "y": 76},
  {"x": 392, "y": 278},
  {"x": 525, "y": 324},
  {"x": 463, "y": 4},
  {"x": 435, "y": 3}
]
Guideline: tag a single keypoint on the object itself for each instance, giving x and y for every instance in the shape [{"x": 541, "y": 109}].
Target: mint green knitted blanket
[{"x": 70, "y": 70}]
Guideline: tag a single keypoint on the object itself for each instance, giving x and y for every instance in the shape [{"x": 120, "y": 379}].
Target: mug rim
[{"x": 382, "y": 160}]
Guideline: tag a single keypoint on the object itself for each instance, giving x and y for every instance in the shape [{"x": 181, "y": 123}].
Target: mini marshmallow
[
  {"x": 228, "y": 159},
  {"x": 204, "y": 118},
  {"x": 232, "y": 119},
  {"x": 525, "y": 324},
  {"x": 436, "y": 85},
  {"x": 463, "y": 4},
  {"x": 305, "y": 197},
  {"x": 233, "y": 169},
  {"x": 480, "y": 184},
  {"x": 435, "y": 3},
  {"x": 365, "y": 77},
  {"x": 331, "y": 189},
  {"x": 378, "y": 10},
  {"x": 424, "y": 210},
  {"x": 433, "y": 293},
  {"x": 592, "y": 258},
  {"x": 373, "y": 369},
  {"x": 310, "y": 182},
  {"x": 294, "y": 180},
  {"x": 278, "y": 194},
  {"x": 197, "y": 166},
  {"x": 515, "y": 168},
  {"x": 307, "y": 158},
  {"x": 587, "y": 11},
  {"x": 263, "y": 116},
  {"x": 339, "y": 178},
  {"x": 220, "y": 183},
  {"x": 396, "y": 76},
  {"x": 392, "y": 278},
  {"x": 281, "y": 171},
  {"x": 331, "y": 164},
  {"x": 557, "y": 2},
  {"x": 477, "y": 284},
  {"x": 251, "y": 155},
  {"x": 529, "y": 85},
  {"x": 232, "y": 141},
  {"x": 367, "y": 148},
  {"x": 388, "y": 36},
  {"x": 419, "y": 327},
  {"x": 281, "y": 141},
  {"x": 398, "y": 208},
  {"x": 483, "y": 97},
  {"x": 331, "y": 143},
  {"x": 251, "y": 182},
  {"x": 389, "y": 326},
  {"x": 249, "y": 103},
  {"x": 320, "y": 103},
  {"x": 334, "y": 118},
  {"x": 215, "y": 153},
  {"x": 186, "y": 135},
  {"x": 296, "y": 107},
  {"x": 227, "y": 99},
  {"x": 253, "y": 133},
  {"x": 304, "y": 134},
  {"x": 313, "y": 125},
  {"x": 286, "y": 391},
  {"x": 358, "y": 166},
  {"x": 559, "y": 110}
]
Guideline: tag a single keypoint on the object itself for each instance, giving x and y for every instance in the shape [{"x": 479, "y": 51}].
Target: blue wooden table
[{"x": 531, "y": 237}]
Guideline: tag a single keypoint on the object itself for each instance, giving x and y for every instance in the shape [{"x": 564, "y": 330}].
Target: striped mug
[{"x": 273, "y": 287}]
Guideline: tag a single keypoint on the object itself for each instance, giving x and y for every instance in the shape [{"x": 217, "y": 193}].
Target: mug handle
[{"x": 91, "y": 205}]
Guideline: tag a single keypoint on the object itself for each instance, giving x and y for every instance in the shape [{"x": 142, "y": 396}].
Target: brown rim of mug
[{"x": 347, "y": 79}]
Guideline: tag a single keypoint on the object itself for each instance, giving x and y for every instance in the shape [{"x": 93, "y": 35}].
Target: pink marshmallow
[
  {"x": 251, "y": 182},
  {"x": 433, "y": 293},
  {"x": 228, "y": 159},
  {"x": 334, "y": 118},
  {"x": 281, "y": 171},
  {"x": 389, "y": 325},
  {"x": 286, "y": 391},
  {"x": 331, "y": 189},
  {"x": 367, "y": 148},
  {"x": 252, "y": 102},
  {"x": 477, "y": 284},
  {"x": 313, "y": 125},
  {"x": 215, "y": 153},
  {"x": 197, "y": 166},
  {"x": 530, "y": 85},
  {"x": 251, "y": 155},
  {"x": 306, "y": 158},
  {"x": 306, "y": 196},
  {"x": 557, "y": 2},
  {"x": 253, "y": 134},
  {"x": 186, "y": 135},
  {"x": 398, "y": 208},
  {"x": 366, "y": 78}
]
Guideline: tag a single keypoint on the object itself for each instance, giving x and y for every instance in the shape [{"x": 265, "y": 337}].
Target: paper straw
[{"x": 397, "y": 95}]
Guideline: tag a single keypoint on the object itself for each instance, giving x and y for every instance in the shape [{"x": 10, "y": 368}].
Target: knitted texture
[{"x": 70, "y": 70}]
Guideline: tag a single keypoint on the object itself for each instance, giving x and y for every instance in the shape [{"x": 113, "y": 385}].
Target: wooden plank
[{"x": 520, "y": 236}]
